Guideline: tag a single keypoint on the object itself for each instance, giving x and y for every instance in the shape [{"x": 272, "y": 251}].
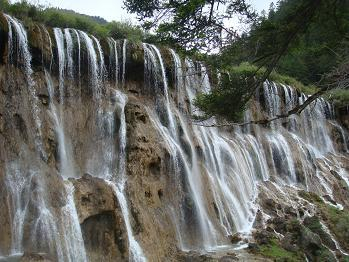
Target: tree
[
  {"x": 4, "y": 4},
  {"x": 193, "y": 24},
  {"x": 295, "y": 27},
  {"x": 198, "y": 24}
]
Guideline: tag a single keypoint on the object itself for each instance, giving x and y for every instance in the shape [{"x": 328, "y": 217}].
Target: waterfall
[
  {"x": 215, "y": 174},
  {"x": 103, "y": 165},
  {"x": 101, "y": 69},
  {"x": 18, "y": 38},
  {"x": 113, "y": 48},
  {"x": 282, "y": 158},
  {"x": 171, "y": 123},
  {"x": 69, "y": 52},
  {"x": 61, "y": 60},
  {"x": 206, "y": 230},
  {"x": 93, "y": 66},
  {"x": 72, "y": 235},
  {"x": 124, "y": 49},
  {"x": 55, "y": 232},
  {"x": 65, "y": 153},
  {"x": 178, "y": 75},
  {"x": 118, "y": 185},
  {"x": 50, "y": 45},
  {"x": 76, "y": 33},
  {"x": 43, "y": 228},
  {"x": 233, "y": 190}
]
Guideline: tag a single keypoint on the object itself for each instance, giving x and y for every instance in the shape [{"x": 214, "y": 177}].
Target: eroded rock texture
[{"x": 101, "y": 220}]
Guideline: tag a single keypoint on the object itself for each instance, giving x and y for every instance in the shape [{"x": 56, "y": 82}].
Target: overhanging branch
[{"x": 296, "y": 110}]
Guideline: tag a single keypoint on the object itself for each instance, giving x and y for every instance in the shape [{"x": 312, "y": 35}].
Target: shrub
[{"x": 55, "y": 17}]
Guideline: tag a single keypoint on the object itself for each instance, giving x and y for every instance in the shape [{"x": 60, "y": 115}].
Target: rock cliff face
[{"x": 99, "y": 160}]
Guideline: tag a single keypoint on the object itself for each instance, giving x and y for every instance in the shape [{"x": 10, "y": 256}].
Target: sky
[{"x": 113, "y": 9}]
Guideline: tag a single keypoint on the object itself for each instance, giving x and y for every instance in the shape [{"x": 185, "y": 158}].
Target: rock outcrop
[{"x": 102, "y": 224}]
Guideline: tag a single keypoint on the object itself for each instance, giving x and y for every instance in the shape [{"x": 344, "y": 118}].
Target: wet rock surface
[
  {"x": 102, "y": 224},
  {"x": 32, "y": 257}
]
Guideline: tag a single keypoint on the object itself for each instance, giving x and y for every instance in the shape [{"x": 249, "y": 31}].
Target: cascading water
[
  {"x": 69, "y": 52},
  {"x": 233, "y": 188},
  {"x": 66, "y": 159},
  {"x": 215, "y": 173},
  {"x": 113, "y": 48},
  {"x": 124, "y": 49},
  {"x": 248, "y": 160},
  {"x": 48, "y": 37},
  {"x": 103, "y": 163},
  {"x": 93, "y": 66},
  {"x": 61, "y": 60},
  {"x": 101, "y": 59},
  {"x": 18, "y": 34},
  {"x": 178, "y": 75},
  {"x": 77, "y": 36},
  {"x": 119, "y": 183},
  {"x": 206, "y": 229}
]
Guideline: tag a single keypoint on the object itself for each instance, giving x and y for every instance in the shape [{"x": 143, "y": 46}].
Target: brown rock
[
  {"x": 263, "y": 237},
  {"x": 33, "y": 257},
  {"x": 234, "y": 239},
  {"x": 101, "y": 219},
  {"x": 93, "y": 196},
  {"x": 288, "y": 243}
]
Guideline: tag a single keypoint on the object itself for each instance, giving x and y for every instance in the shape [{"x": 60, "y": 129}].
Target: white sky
[{"x": 113, "y": 9}]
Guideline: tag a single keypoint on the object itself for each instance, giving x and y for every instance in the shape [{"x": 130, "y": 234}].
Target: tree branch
[{"x": 296, "y": 110}]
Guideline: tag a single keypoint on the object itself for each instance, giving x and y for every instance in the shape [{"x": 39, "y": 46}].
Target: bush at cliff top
[
  {"x": 55, "y": 17},
  {"x": 340, "y": 97}
]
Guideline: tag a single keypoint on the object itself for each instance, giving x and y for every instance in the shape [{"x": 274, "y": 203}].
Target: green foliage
[
  {"x": 119, "y": 30},
  {"x": 325, "y": 255},
  {"x": 338, "y": 223},
  {"x": 304, "y": 37},
  {"x": 296, "y": 44},
  {"x": 311, "y": 197},
  {"x": 230, "y": 97},
  {"x": 55, "y": 17},
  {"x": 235, "y": 88},
  {"x": 336, "y": 220},
  {"x": 4, "y": 4},
  {"x": 276, "y": 252},
  {"x": 314, "y": 225},
  {"x": 340, "y": 97}
]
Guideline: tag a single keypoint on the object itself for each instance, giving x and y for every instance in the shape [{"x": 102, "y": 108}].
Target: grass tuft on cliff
[
  {"x": 340, "y": 97},
  {"x": 274, "y": 251}
]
